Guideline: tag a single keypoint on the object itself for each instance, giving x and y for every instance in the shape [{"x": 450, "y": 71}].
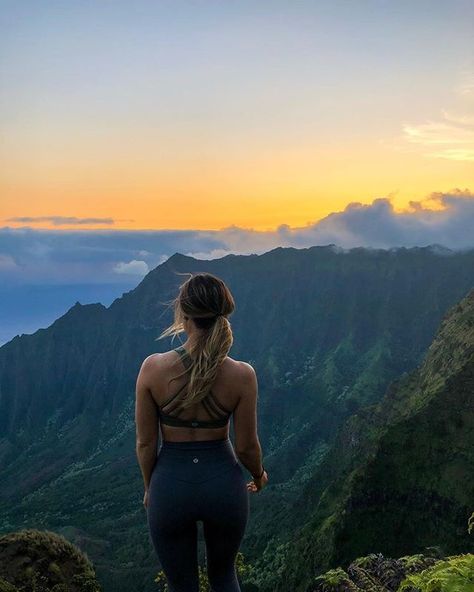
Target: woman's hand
[
  {"x": 256, "y": 485},
  {"x": 145, "y": 498}
]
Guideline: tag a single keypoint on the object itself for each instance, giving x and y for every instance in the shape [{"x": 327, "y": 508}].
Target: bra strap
[
  {"x": 187, "y": 361},
  {"x": 185, "y": 358}
]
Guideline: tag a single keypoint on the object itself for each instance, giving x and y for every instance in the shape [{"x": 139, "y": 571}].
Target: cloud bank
[
  {"x": 35, "y": 256},
  {"x": 60, "y": 220}
]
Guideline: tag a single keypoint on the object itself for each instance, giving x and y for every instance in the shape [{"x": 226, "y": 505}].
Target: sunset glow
[{"x": 181, "y": 116}]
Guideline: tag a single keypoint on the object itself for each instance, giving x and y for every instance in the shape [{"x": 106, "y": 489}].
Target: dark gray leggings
[{"x": 194, "y": 481}]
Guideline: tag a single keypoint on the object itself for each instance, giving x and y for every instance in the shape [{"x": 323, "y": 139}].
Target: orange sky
[
  {"x": 251, "y": 119},
  {"x": 294, "y": 188}
]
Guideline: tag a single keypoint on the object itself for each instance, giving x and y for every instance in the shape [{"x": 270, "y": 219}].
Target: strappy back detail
[{"x": 169, "y": 411}]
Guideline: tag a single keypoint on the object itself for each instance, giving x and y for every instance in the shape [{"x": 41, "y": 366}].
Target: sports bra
[{"x": 219, "y": 416}]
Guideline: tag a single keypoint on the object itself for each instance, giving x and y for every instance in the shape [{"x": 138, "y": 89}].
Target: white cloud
[
  {"x": 131, "y": 268},
  {"x": 449, "y": 136},
  {"x": 441, "y": 218},
  {"x": 103, "y": 256},
  {"x": 212, "y": 254},
  {"x": 453, "y": 138}
]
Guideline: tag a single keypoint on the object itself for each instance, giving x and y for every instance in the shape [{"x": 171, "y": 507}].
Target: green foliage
[
  {"x": 454, "y": 574},
  {"x": 376, "y": 573},
  {"x": 335, "y": 580},
  {"x": 7, "y": 587},
  {"x": 241, "y": 568},
  {"x": 411, "y": 573},
  {"x": 269, "y": 569},
  {"x": 326, "y": 332},
  {"x": 44, "y": 561},
  {"x": 400, "y": 472}
]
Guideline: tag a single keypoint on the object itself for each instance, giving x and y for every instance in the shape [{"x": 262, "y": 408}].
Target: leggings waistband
[{"x": 197, "y": 444}]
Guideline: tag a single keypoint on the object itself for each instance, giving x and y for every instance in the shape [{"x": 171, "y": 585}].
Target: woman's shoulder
[
  {"x": 241, "y": 372},
  {"x": 168, "y": 359}
]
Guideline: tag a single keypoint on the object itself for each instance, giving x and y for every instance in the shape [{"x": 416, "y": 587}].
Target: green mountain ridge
[
  {"x": 327, "y": 332},
  {"x": 400, "y": 476}
]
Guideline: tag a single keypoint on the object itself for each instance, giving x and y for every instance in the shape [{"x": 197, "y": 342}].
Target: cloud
[
  {"x": 131, "y": 268},
  {"x": 7, "y": 262},
  {"x": 40, "y": 256},
  {"x": 467, "y": 120},
  {"x": 466, "y": 88},
  {"x": 60, "y": 220},
  {"x": 452, "y": 139},
  {"x": 449, "y": 136},
  {"x": 441, "y": 218}
]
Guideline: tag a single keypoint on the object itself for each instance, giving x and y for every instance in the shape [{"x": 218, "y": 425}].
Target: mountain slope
[
  {"x": 326, "y": 331},
  {"x": 400, "y": 476}
]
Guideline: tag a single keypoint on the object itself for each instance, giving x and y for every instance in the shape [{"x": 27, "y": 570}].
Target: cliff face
[
  {"x": 400, "y": 476},
  {"x": 327, "y": 332}
]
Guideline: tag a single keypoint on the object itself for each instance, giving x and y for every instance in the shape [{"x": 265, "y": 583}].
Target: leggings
[{"x": 190, "y": 482}]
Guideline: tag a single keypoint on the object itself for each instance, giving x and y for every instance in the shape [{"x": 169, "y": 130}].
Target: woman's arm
[
  {"x": 247, "y": 443},
  {"x": 146, "y": 424}
]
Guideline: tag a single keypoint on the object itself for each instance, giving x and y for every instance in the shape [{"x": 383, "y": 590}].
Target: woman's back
[{"x": 206, "y": 419}]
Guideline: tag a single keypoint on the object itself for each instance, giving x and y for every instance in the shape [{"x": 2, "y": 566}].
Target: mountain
[
  {"x": 24, "y": 308},
  {"x": 327, "y": 331},
  {"x": 400, "y": 476}
]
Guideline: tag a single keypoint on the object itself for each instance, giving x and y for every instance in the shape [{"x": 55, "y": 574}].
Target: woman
[{"x": 191, "y": 392}]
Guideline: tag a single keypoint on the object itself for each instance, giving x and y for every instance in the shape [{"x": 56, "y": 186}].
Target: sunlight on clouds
[
  {"x": 451, "y": 137},
  {"x": 60, "y": 220},
  {"x": 450, "y": 203},
  {"x": 34, "y": 256},
  {"x": 454, "y": 154},
  {"x": 456, "y": 134},
  {"x": 438, "y": 133}
]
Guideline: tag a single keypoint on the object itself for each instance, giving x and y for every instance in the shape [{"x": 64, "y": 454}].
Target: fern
[{"x": 453, "y": 574}]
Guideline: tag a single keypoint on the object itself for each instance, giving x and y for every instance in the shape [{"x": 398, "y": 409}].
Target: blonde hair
[{"x": 206, "y": 300}]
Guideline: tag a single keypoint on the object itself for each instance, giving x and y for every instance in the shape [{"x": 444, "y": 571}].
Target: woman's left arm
[{"x": 146, "y": 424}]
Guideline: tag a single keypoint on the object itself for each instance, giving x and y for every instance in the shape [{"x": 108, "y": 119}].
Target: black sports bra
[{"x": 219, "y": 416}]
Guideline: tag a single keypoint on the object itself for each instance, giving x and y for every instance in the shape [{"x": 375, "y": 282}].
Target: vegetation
[
  {"x": 329, "y": 334},
  {"x": 41, "y": 561},
  {"x": 416, "y": 573},
  {"x": 241, "y": 569},
  {"x": 399, "y": 476},
  {"x": 454, "y": 574}
]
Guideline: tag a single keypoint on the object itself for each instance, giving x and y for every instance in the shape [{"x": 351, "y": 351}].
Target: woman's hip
[
  {"x": 196, "y": 462},
  {"x": 174, "y": 502},
  {"x": 197, "y": 483}
]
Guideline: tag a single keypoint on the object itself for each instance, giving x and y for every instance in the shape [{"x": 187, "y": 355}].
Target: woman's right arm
[{"x": 247, "y": 444}]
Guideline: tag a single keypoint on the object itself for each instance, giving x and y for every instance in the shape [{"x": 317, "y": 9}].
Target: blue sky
[{"x": 132, "y": 130}]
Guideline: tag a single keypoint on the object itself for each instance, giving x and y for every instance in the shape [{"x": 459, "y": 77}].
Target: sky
[
  {"x": 132, "y": 130},
  {"x": 200, "y": 115}
]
